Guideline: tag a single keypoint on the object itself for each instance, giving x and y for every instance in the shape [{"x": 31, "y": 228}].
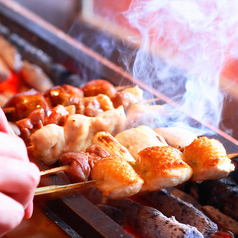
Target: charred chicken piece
[
  {"x": 22, "y": 104},
  {"x": 111, "y": 145},
  {"x": 99, "y": 86},
  {"x": 162, "y": 167},
  {"x": 116, "y": 178},
  {"x": 79, "y": 169},
  {"x": 208, "y": 159},
  {"x": 65, "y": 95}
]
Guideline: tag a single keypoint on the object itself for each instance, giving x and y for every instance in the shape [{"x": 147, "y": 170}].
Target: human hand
[{"x": 18, "y": 179}]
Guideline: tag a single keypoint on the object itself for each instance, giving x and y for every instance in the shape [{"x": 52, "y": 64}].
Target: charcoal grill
[{"x": 67, "y": 61}]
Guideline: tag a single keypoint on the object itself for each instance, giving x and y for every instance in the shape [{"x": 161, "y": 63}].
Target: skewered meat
[
  {"x": 22, "y": 104},
  {"x": 148, "y": 222},
  {"x": 34, "y": 76},
  {"x": 183, "y": 212},
  {"x": 177, "y": 137},
  {"x": 127, "y": 97},
  {"x": 111, "y": 145},
  {"x": 96, "y": 152},
  {"x": 32, "y": 123},
  {"x": 98, "y": 86},
  {"x": 75, "y": 135},
  {"x": 162, "y": 167},
  {"x": 10, "y": 55},
  {"x": 79, "y": 169},
  {"x": 65, "y": 95},
  {"x": 92, "y": 106},
  {"x": 208, "y": 159},
  {"x": 59, "y": 115},
  {"x": 48, "y": 143},
  {"x": 116, "y": 178},
  {"x": 137, "y": 139},
  {"x": 140, "y": 114}
]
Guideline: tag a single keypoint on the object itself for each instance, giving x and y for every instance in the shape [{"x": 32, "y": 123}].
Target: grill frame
[{"x": 82, "y": 61}]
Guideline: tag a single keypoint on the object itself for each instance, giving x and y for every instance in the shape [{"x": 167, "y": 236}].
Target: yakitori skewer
[
  {"x": 54, "y": 170},
  {"x": 63, "y": 188}
]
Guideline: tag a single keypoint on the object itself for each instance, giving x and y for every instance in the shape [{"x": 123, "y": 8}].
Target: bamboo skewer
[
  {"x": 54, "y": 170},
  {"x": 63, "y": 188},
  {"x": 231, "y": 156}
]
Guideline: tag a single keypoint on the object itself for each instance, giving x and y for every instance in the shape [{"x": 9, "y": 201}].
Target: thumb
[{"x": 4, "y": 126}]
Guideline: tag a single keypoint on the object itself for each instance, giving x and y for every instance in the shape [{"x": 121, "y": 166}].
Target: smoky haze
[{"x": 195, "y": 36}]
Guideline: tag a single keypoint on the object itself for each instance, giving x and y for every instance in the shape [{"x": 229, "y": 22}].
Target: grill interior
[{"x": 69, "y": 62}]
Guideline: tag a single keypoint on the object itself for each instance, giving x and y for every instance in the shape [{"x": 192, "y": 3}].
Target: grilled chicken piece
[
  {"x": 176, "y": 136},
  {"x": 127, "y": 97},
  {"x": 98, "y": 86},
  {"x": 92, "y": 106},
  {"x": 22, "y": 104},
  {"x": 79, "y": 169},
  {"x": 148, "y": 222},
  {"x": 162, "y": 167},
  {"x": 140, "y": 114},
  {"x": 183, "y": 212},
  {"x": 10, "y": 55},
  {"x": 208, "y": 159},
  {"x": 65, "y": 95},
  {"x": 75, "y": 135},
  {"x": 137, "y": 139},
  {"x": 117, "y": 179},
  {"x": 96, "y": 152},
  {"x": 35, "y": 77},
  {"x": 111, "y": 145},
  {"x": 48, "y": 143},
  {"x": 112, "y": 121}
]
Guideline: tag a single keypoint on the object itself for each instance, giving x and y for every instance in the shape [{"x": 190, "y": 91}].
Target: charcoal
[
  {"x": 222, "y": 194},
  {"x": 183, "y": 212}
]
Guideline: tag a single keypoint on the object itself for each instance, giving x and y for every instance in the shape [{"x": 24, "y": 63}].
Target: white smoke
[{"x": 196, "y": 37}]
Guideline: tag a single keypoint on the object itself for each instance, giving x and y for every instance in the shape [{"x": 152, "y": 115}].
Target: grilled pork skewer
[{"x": 183, "y": 212}]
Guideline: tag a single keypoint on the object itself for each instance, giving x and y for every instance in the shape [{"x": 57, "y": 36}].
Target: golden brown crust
[
  {"x": 208, "y": 158},
  {"x": 162, "y": 167},
  {"x": 118, "y": 178}
]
